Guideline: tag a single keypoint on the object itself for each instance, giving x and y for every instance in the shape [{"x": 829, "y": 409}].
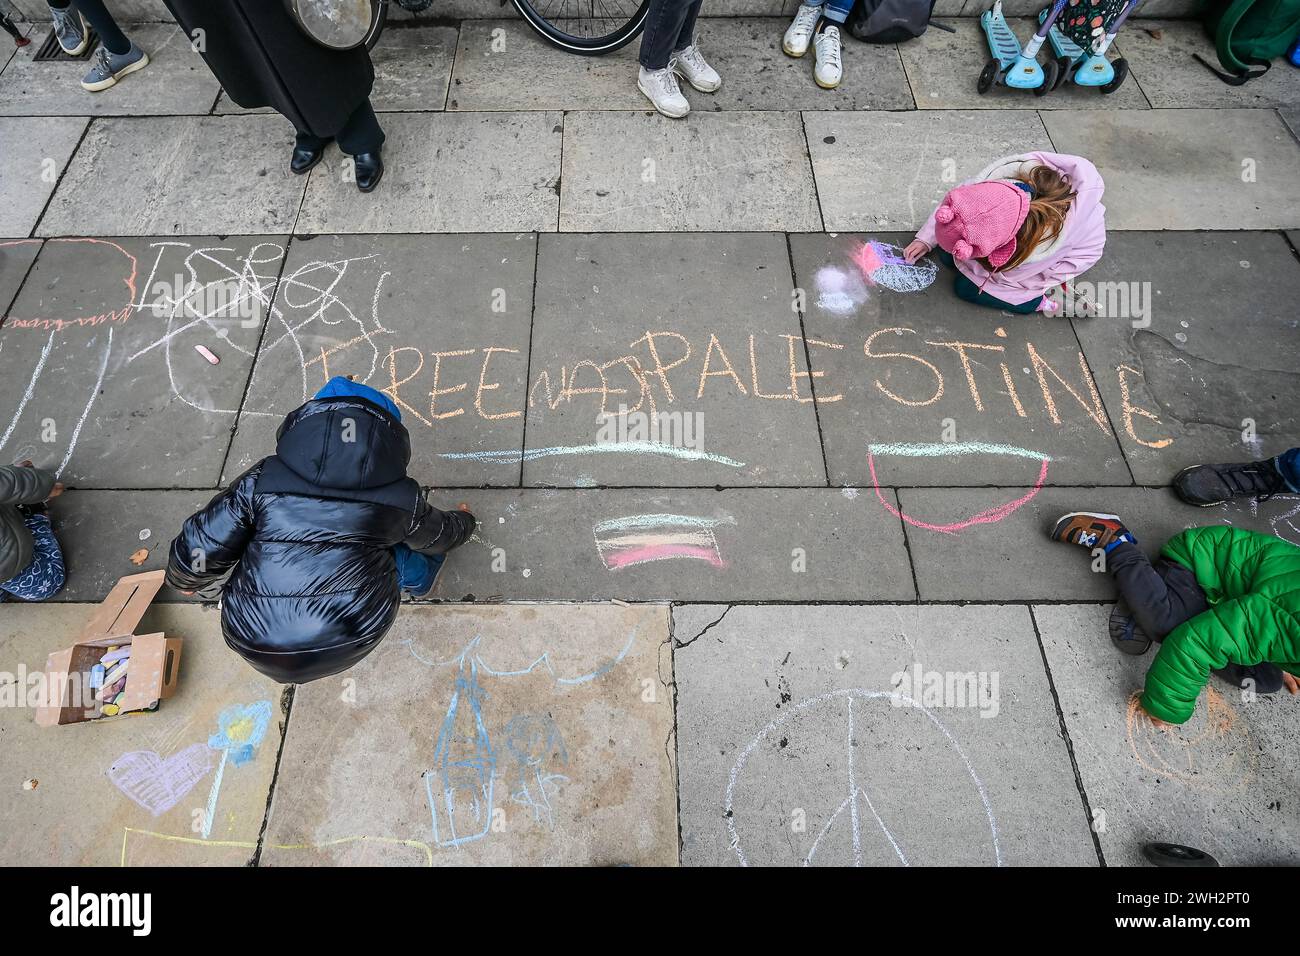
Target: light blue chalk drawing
[
  {"x": 533, "y": 740},
  {"x": 543, "y": 661},
  {"x": 460, "y": 788},
  {"x": 511, "y": 456},
  {"x": 240, "y": 730}
]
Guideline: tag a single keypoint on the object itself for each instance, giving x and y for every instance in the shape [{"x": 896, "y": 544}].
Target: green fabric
[
  {"x": 1246, "y": 32},
  {"x": 1252, "y": 582}
]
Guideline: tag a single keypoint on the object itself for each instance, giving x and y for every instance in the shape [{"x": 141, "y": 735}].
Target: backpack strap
[{"x": 1237, "y": 79}]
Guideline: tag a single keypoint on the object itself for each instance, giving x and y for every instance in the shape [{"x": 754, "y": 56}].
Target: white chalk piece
[
  {"x": 207, "y": 354},
  {"x": 144, "y": 534}
]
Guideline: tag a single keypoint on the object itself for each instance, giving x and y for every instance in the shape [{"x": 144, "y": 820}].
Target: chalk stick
[
  {"x": 110, "y": 710},
  {"x": 97, "y": 675},
  {"x": 115, "y": 654},
  {"x": 207, "y": 354},
  {"x": 117, "y": 672}
]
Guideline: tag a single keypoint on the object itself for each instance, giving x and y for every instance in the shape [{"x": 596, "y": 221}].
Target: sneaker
[
  {"x": 799, "y": 34},
  {"x": 1124, "y": 632},
  {"x": 71, "y": 31},
  {"x": 829, "y": 70},
  {"x": 111, "y": 67},
  {"x": 1090, "y": 529},
  {"x": 690, "y": 64},
  {"x": 1207, "y": 485},
  {"x": 660, "y": 87}
]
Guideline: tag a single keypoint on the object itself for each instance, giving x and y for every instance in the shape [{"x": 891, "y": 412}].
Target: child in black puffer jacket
[{"x": 319, "y": 539}]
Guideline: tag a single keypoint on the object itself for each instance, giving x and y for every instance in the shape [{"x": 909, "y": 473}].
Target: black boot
[
  {"x": 369, "y": 169},
  {"x": 305, "y": 157},
  {"x": 1207, "y": 485}
]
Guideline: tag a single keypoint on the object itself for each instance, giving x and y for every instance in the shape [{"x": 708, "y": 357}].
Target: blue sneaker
[
  {"x": 111, "y": 67},
  {"x": 70, "y": 30},
  {"x": 1124, "y": 632}
]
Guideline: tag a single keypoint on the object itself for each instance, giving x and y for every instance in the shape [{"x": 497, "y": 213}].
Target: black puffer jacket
[{"x": 307, "y": 537}]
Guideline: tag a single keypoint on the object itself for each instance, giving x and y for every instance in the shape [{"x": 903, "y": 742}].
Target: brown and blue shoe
[{"x": 1090, "y": 529}]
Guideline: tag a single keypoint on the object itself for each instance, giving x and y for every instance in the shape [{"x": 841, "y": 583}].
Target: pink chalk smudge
[
  {"x": 664, "y": 552},
  {"x": 988, "y": 516}
]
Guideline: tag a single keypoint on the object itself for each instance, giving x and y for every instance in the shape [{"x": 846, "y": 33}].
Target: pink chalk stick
[{"x": 207, "y": 354}]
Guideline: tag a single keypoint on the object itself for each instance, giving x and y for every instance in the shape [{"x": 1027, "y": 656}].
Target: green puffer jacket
[
  {"x": 19, "y": 486},
  {"x": 1252, "y": 582}
]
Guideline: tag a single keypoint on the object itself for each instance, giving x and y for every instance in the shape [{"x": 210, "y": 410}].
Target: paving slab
[
  {"x": 1242, "y": 166},
  {"x": 521, "y": 736},
  {"x": 16, "y": 257},
  {"x": 163, "y": 180},
  {"x": 1221, "y": 782},
  {"x": 100, "y": 363},
  {"x": 929, "y": 390},
  {"x": 412, "y": 315},
  {"x": 1006, "y": 554},
  {"x": 620, "y": 357},
  {"x": 176, "y": 81},
  {"x": 943, "y": 67},
  {"x": 1171, "y": 76},
  {"x": 888, "y": 170},
  {"x": 447, "y": 172},
  {"x": 102, "y": 535},
  {"x": 520, "y": 71},
  {"x": 36, "y": 152},
  {"x": 840, "y": 736},
  {"x": 754, "y": 544},
  {"x": 138, "y": 790},
  {"x": 639, "y": 172},
  {"x": 412, "y": 70},
  {"x": 1292, "y": 119},
  {"x": 1213, "y": 376}
]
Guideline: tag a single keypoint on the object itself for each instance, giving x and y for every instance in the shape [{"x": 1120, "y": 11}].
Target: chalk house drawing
[
  {"x": 461, "y": 786},
  {"x": 819, "y": 716}
]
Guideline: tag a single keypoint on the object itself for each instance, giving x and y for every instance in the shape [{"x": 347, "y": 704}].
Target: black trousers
[
  {"x": 360, "y": 134},
  {"x": 669, "y": 27},
  {"x": 1161, "y": 596}
]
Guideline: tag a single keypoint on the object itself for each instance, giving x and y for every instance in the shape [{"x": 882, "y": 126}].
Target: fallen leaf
[{"x": 140, "y": 557}]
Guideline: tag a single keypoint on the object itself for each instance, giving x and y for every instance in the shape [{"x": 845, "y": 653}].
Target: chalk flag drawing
[
  {"x": 882, "y": 264},
  {"x": 640, "y": 539},
  {"x": 158, "y": 784},
  {"x": 857, "y": 800},
  {"x": 955, "y": 449}
]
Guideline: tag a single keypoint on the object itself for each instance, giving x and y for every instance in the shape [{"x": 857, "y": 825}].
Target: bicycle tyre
[
  {"x": 377, "y": 25},
  {"x": 577, "y": 43}
]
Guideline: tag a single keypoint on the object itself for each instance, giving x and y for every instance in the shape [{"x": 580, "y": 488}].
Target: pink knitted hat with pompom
[{"x": 980, "y": 220}]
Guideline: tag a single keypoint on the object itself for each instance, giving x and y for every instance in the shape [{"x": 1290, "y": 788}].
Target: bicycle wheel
[
  {"x": 377, "y": 24},
  {"x": 585, "y": 27}
]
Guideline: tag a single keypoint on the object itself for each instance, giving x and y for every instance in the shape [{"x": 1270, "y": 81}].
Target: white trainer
[
  {"x": 661, "y": 88},
  {"x": 799, "y": 34},
  {"x": 829, "y": 70},
  {"x": 690, "y": 64}
]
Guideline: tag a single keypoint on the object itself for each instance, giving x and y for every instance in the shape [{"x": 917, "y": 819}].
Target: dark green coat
[{"x": 1252, "y": 582}]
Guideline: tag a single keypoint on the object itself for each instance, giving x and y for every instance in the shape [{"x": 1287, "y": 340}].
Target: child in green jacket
[{"x": 1221, "y": 599}]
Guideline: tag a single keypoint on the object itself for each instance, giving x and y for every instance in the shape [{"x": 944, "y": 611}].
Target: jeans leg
[
  {"x": 663, "y": 26},
  {"x": 44, "y": 577},
  {"x": 686, "y": 33},
  {"x": 1160, "y": 602},
  {"x": 362, "y": 132},
  {"x": 837, "y": 11},
  {"x": 415, "y": 571},
  {"x": 1288, "y": 466}
]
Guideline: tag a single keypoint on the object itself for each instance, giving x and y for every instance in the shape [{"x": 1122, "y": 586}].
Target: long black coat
[
  {"x": 263, "y": 58},
  {"x": 307, "y": 537}
]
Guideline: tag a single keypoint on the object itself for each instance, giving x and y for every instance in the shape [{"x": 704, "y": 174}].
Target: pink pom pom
[
  {"x": 961, "y": 249},
  {"x": 943, "y": 214}
]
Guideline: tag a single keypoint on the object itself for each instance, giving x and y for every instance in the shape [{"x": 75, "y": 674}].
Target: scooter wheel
[
  {"x": 1174, "y": 854},
  {"x": 987, "y": 76},
  {"x": 1051, "y": 73},
  {"x": 1064, "y": 64},
  {"x": 1121, "y": 71}
]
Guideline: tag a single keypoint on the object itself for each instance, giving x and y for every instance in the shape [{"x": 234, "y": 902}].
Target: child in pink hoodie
[{"x": 1025, "y": 226}]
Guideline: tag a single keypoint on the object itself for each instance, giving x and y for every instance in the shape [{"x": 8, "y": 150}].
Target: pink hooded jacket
[{"x": 1073, "y": 252}]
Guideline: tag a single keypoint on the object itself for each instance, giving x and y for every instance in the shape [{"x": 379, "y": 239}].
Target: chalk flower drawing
[{"x": 640, "y": 539}]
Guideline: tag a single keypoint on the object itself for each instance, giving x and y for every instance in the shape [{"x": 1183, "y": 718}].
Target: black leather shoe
[
  {"x": 369, "y": 169},
  {"x": 304, "y": 159}
]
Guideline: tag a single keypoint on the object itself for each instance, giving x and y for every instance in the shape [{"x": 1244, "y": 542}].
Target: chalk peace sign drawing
[{"x": 886, "y": 737}]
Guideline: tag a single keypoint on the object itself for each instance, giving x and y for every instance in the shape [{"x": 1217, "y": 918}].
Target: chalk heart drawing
[
  {"x": 157, "y": 783},
  {"x": 1213, "y": 752},
  {"x": 769, "y": 780},
  {"x": 955, "y": 450}
]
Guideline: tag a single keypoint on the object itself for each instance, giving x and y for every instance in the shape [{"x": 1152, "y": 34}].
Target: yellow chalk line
[{"x": 244, "y": 844}]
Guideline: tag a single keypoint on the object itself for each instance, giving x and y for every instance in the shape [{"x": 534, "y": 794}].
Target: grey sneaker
[
  {"x": 70, "y": 29},
  {"x": 111, "y": 67}
]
